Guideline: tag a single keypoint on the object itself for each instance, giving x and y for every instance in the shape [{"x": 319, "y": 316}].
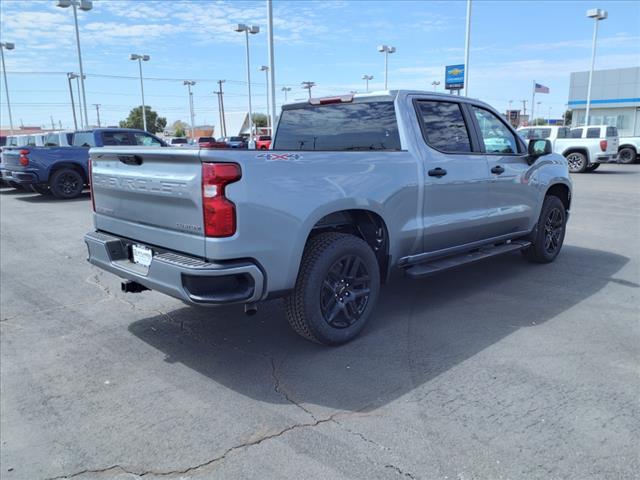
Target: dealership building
[{"x": 615, "y": 99}]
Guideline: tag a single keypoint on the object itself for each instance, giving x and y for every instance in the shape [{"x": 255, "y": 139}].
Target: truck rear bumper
[
  {"x": 610, "y": 158},
  {"x": 192, "y": 280},
  {"x": 21, "y": 177}
]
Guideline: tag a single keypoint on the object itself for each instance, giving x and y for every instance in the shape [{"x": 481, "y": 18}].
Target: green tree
[
  {"x": 568, "y": 116},
  {"x": 154, "y": 122},
  {"x": 539, "y": 121},
  {"x": 259, "y": 119},
  {"x": 179, "y": 131}
]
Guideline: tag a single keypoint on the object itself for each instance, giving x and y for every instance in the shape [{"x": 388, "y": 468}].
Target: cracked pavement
[{"x": 500, "y": 370}]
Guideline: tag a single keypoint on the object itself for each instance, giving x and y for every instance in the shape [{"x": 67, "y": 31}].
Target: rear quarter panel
[{"x": 279, "y": 200}]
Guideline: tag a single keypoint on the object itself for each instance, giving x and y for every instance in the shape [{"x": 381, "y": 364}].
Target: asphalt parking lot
[{"x": 499, "y": 370}]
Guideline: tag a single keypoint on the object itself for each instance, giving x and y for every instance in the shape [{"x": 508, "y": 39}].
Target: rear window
[
  {"x": 83, "y": 139},
  {"x": 206, "y": 139},
  {"x": 612, "y": 132},
  {"x": 563, "y": 133},
  {"x": 339, "y": 127},
  {"x": 178, "y": 141},
  {"x": 115, "y": 138},
  {"x": 576, "y": 133},
  {"x": 236, "y": 139},
  {"x": 536, "y": 133},
  {"x": 263, "y": 138},
  {"x": 593, "y": 132},
  {"x": 52, "y": 140}
]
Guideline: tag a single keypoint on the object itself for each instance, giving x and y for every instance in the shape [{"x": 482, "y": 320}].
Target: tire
[
  {"x": 627, "y": 155},
  {"x": 577, "y": 162},
  {"x": 336, "y": 289},
  {"x": 66, "y": 183},
  {"x": 549, "y": 233},
  {"x": 592, "y": 167},
  {"x": 42, "y": 189},
  {"x": 15, "y": 185}
]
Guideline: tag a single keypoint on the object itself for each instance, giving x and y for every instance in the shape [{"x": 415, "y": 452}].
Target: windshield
[{"x": 339, "y": 127}]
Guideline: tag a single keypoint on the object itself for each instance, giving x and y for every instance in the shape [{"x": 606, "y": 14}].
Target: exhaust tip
[{"x": 250, "y": 309}]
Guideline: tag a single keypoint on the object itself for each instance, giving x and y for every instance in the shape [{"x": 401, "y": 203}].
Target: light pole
[
  {"x": 386, "y": 50},
  {"x": 189, "y": 84},
  {"x": 597, "y": 14},
  {"x": 71, "y": 76},
  {"x": 253, "y": 29},
  {"x": 435, "y": 84},
  {"x": 265, "y": 69},
  {"x": 285, "y": 90},
  {"x": 467, "y": 38},
  {"x": 308, "y": 86},
  {"x": 140, "y": 59},
  {"x": 272, "y": 63},
  {"x": 549, "y": 117},
  {"x": 8, "y": 46},
  {"x": 85, "y": 6},
  {"x": 541, "y": 115},
  {"x": 97, "y": 105},
  {"x": 366, "y": 78}
]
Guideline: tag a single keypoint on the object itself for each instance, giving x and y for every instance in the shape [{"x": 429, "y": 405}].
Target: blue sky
[{"x": 330, "y": 43}]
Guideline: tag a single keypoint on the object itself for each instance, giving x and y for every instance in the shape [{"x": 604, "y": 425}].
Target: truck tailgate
[
  {"x": 150, "y": 195},
  {"x": 11, "y": 156}
]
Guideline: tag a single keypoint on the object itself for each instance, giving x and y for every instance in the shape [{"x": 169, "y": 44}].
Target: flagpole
[{"x": 533, "y": 102}]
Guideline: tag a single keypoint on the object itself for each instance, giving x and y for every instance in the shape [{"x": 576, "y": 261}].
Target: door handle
[
  {"x": 437, "y": 172},
  {"x": 497, "y": 170}
]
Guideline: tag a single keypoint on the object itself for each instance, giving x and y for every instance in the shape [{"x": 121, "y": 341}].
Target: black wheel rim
[
  {"x": 625, "y": 155},
  {"x": 68, "y": 183},
  {"x": 345, "y": 292},
  {"x": 553, "y": 227}
]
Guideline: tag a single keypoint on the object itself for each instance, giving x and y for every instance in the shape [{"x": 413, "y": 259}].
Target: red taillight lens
[
  {"x": 93, "y": 200},
  {"x": 219, "y": 212},
  {"x": 603, "y": 145},
  {"x": 24, "y": 157}
]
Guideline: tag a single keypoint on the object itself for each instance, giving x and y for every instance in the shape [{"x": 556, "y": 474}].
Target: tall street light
[
  {"x": 85, "y": 6},
  {"x": 366, "y": 78},
  {"x": 597, "y": 15},
  {"x": 246, "y": 29},
  {"x": 386, "y": 50},
  {"x": 467, "y": 38},
  {"x": 435, "y": 84},
  {"x": 265, "y": 69},
  {"x": 189, "y": 84},
  {"x": 140, "y": 59},
  {"x": 8, "y": 46},
  {"x": 308, "y": 86}
]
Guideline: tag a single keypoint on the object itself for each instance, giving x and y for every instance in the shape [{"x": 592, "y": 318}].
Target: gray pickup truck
[{"x": 354, "y": 188}]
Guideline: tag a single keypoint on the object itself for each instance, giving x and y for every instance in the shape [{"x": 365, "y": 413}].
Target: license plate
[{"x": 141, "y": 255}]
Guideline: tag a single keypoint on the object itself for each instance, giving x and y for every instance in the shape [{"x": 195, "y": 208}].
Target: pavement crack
[
  {"x": 361, "y": 436},
  {"x": 277, "y": 386},
  {"x": 228, "y": 451},
  {"x": 399, "y": 471}
]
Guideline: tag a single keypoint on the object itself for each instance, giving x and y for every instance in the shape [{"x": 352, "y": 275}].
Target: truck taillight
[
  {"x": 219, "y": 212},
  {"x": 24, "y": 157},
  {"x": 603, "y": 145},
  {"x": 93, "y": 200}
]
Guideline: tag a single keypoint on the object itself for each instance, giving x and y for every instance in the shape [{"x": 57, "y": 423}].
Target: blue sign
[{"x": 454, "y": 77}]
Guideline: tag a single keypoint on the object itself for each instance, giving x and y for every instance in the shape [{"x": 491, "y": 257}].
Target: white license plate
[{"x": 141, "y": 255}]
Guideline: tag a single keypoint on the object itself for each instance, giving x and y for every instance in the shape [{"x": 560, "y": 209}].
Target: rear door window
[
  {"x": 576, "y": 133},
  {"x": 612, "y": 132},
  {"x": 147, "y": 140},
  {"x": 593, "y": 132},
  {"x": 31, "y": 141},
  {"x": 563, "y": 133},
  {"x": 339, "y": 127},
  {"x": 497, "y": 137},
  {"x": 443, "y": 126},
  {"x": 116, "y": 138},
  {"x": 52, "y": 140}
]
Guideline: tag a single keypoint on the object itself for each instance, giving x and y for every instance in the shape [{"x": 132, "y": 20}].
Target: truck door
[
  {"x": 456, "y": 176},
  {"x": 512, "y": 202}
]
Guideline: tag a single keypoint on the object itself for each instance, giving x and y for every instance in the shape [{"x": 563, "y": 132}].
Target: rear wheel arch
[
  {"x": 628, "y": 145},
  {"x": 362, "y": 223},
  {"x": 71, "y": 165},
  {"x": 583, "y": 151}
]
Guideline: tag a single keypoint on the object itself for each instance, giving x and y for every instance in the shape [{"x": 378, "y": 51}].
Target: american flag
[{"x": 541, "y": 88}]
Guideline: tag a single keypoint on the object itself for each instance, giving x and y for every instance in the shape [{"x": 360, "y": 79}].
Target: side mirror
[{"x": 537, "y": 148}]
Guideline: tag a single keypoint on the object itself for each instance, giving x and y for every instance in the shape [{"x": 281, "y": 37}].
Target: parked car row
[
  {"x": 585, "y": 148},
  {"x": 262, "y": 142}
]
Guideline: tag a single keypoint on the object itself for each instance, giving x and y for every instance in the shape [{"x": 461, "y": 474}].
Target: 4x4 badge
[{"x": 270, "y": 157}]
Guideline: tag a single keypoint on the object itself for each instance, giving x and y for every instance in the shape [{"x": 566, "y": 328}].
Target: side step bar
[{"x": 436, "y": 266}]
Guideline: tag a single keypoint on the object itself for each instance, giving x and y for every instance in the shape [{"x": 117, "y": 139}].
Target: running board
[{"x": 436, "y": 266}]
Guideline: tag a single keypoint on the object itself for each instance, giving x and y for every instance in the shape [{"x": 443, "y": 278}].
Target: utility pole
[
  {"x": 524, "y": 107},
  {"x": 97, "y": 105},
  {"x": 218, "y": 93},
  {"x": 73, "y": 106},
  {"x": 308, "y": 86},
  {"x": 53, "y": 125},
  {"x": 223, "y": 124}
]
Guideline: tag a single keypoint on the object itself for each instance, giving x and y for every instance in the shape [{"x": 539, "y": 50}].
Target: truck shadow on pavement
[
  {"x": 419, "y": 330},
  {"x": 37, "y": 198}
]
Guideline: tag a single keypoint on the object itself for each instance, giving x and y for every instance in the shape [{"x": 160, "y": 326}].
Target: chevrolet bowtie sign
[{"x": 454, "y": 77}]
